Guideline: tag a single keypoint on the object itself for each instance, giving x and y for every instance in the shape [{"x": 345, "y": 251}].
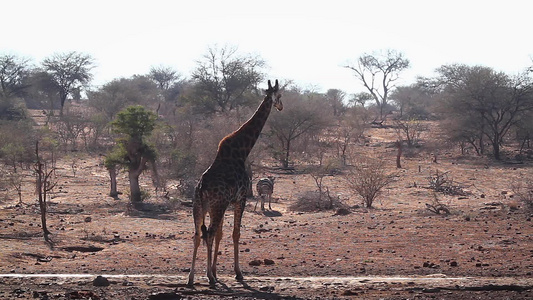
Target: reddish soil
[{"x": 398, "y": 250}]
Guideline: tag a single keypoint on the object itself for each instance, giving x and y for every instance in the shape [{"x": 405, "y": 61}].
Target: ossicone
[{"x": 273, "y": 89}]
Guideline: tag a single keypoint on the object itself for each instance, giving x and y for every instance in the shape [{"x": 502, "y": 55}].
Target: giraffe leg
[
  {"x": 199, "y": 218},
  {"x": 209, "y": 242},
  {"x": 197, "y": 239},
  {"x": 218, "y": 237},
  {"x": 238, "y": 211},
  {"x": 214, "y": 224},
  {"x": 269, "y": 200},
  {"x": 262, "y": 202}
]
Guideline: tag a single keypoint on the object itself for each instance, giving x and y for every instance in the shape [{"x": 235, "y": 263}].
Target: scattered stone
[
  {"x": 165, "y": 296},
  {"x": 88, "y": 219},
  {"x": 127, "y": 283},
  {"x": 268, "y": 262},
  {"x": 255, "y": 262},
  {"x": 349, "y": 293},
  {"x": 262, "y": 230},
  {"x": 40, "y": 294},
  {"x": 453, "y": 263},
  {"x": 430, "y": 265},
  {"x": 82, "y": 295},
  {"x": 342, "y": 212},
  {"x": 431, "y": 290},
  {"x": 269, "y": 289},
  {"x": 101, "y": 281}
]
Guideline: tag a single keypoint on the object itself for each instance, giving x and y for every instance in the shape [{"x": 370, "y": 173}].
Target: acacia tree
[
  {"x": 166, "y": 79},
  {"x": 484, "y": 103},
  {"x": 378, "y": 72},
  {"x": 223, "y": 78},
  {"x": 335, "y": 98},
  {"x": 13, "y": 71},
  {"x": 170, "y": 86},
  {"x": 132, "y": 151},
  {"x": 69, "y": 72},
  {"x": 360, "y": 99},
  {"x": 414, "y": 101}
]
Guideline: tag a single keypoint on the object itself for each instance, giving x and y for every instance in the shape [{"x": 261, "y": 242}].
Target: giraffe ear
[
  {"x": 270, "y": 85},
  {"x": 277, "y": 85}
]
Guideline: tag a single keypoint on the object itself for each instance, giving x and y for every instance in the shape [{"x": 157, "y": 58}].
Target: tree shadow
[
  {"x": 272, "y": 213},
  {"x": 150, "y": 211}
]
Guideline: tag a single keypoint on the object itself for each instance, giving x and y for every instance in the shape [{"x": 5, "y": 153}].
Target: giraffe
[{"x": 226, "y": 182}]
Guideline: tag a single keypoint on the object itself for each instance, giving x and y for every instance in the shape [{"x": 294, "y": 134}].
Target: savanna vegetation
[
  {"x": 162, "y": 129},
  {"x": 173, "y": 123}
]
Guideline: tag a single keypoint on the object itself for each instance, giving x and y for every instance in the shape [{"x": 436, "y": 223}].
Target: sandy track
[{"x": 157, "y": 286}]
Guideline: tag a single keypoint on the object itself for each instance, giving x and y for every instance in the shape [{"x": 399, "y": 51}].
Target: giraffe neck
[{"x": 239, "y": 144}]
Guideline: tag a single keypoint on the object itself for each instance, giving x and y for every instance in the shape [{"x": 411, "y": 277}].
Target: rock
[
  {"x": 342, "y": 212},
  {"x": 165, "y": 296},
  {"x": 349, "y": 293},
  {"x": 268, "y": 262},
  {"x": 255, "y": 262},
  {"x": 101, "y": 281},
  {"x": 88, "y": 219},
  {"x": 453, "y": 263}
]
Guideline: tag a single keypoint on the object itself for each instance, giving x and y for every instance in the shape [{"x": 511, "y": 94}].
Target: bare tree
[
  {"x": 378, "y": 72},
  {"x": 367, "y": 179},
  {"x": 69, "y": 72},
  {"x": 350, "y": 128},
  {"x": 301, "y": 117},
  {"x": 223, "y": 77},
  {"x": 45, "y": 182},
  {"x": 409, "y": 130}
]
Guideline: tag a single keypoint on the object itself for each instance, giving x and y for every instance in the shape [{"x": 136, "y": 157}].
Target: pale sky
[{"x": 305, "y": 41}]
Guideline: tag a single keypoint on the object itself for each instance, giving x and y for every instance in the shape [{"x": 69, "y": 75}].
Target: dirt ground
[{"x": 398, "y": 250}]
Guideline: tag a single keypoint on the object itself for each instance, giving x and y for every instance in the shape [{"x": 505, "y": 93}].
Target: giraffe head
[{"x": 275, "y": 95}]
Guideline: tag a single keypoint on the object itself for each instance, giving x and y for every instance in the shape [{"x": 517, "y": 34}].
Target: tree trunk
[
  {"x": 135, "y": 190},
  {"x": 42, "y": 201},
  {"x": 113, "y": 177},
  {"x": 399, "y": 154},
  {"x": 40, "y": 183},
  {"x": 496, "y": 149},
  {"x": 287, "y": 153}
]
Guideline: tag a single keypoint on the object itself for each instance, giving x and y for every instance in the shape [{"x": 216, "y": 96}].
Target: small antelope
[{"x": 265, "y": 188}]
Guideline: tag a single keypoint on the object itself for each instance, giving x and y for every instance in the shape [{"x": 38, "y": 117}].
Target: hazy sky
[{"x": 306, "y": 41}]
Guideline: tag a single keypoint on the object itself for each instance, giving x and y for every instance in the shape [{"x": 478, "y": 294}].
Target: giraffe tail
[{"x": 204, "y": 233}]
